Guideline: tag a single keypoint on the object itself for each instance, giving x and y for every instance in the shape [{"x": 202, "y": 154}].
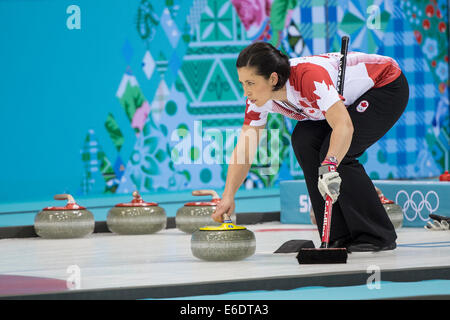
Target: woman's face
[{"x": 256, "y": 88}]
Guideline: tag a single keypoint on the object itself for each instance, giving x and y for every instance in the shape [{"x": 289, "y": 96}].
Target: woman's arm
[
  {"x": 238, "y": 168},
  {"x": 242, "y": 158},
  {"x": 341, "y": 137}
]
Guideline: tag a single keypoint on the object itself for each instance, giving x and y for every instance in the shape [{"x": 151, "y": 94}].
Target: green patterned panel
[
  {"x": 230, "y": 66},
  {"x": 217, "y": 21},
  {"x": 114, "y": 131},
  {"x": 210, "y": 50},
  {"x": 214, "y": 110},
  {"x": 131, "y": 100},
  {"x": 351, "y": 23},
  {"x": 218, "y": 88},
  {"x": 194, "y": 73}
]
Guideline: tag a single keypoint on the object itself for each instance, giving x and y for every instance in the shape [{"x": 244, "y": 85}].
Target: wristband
[
  {"x": 330, "y": 161},
  {"x": 326, "y": 168}
]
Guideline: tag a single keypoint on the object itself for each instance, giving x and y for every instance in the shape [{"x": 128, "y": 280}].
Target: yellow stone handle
[{"x": 224, "y": 226}]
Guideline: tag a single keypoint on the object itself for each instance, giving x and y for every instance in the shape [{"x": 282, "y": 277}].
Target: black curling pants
[{"x": 358, "y": 213}]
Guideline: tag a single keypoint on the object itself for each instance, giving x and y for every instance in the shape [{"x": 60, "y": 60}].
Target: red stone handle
[
  {"x": 204, "y": 192},
  {"x": 64, "y": 196},
  {"x": 137, "y": 197}
]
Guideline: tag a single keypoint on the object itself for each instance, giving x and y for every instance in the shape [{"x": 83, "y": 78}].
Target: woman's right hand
[{"x": 226, "y": 205}]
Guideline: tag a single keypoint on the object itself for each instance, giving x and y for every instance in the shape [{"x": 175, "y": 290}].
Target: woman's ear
[{"x": 274, "y": 78}]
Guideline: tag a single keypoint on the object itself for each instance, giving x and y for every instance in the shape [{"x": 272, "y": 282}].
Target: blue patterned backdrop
[{"x": 101, "y": 107}]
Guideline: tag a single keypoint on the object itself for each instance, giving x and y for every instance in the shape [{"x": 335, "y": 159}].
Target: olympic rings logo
[{"x": 417, "y": 202}]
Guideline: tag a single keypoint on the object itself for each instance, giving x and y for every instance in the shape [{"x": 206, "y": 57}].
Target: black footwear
[
  {"x": 368, "y": 247},
  {"x": 339, "y": 243}
]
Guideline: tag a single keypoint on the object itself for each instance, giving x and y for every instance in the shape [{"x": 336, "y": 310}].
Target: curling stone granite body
[
  {"x": 71, "y": 221},
  {"x": 194, "y": 215},
  {"x": 136, "y": 217},
  {"x": 223, "y": 245},
  {"x": 395, "y": 213},
  {"x": 393, "y": 210}
]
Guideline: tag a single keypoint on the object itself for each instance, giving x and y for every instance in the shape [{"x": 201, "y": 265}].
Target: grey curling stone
[
  {"x": 227, "y": 242},
  {"x": 70, "y": 221},
  {"x": 136, "y": 217},
  {"x": 194, "y": 215},
  {"x": 393, "y": 210},
  {"x": 395, "y": 213}
]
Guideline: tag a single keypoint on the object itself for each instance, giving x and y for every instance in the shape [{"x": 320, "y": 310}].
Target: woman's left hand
[{"x": 329, "y": 182}]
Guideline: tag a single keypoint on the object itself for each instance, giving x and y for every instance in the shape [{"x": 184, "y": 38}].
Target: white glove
[
  {"x": 437, "y": 225},
  {"x": 329, "y": 182},
  {"x": 438, "y": 222}
]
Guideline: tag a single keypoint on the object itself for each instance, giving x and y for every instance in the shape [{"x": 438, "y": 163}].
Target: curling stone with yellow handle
[
  {"x": 194, "y": 215},
  {"x": 70, "y": 221},
  {"x": 227, "y": 242},
  {"x": 136, "y": 217}
]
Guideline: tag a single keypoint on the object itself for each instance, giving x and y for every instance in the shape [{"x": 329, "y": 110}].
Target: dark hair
[{"x": 266, "y": 59}]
